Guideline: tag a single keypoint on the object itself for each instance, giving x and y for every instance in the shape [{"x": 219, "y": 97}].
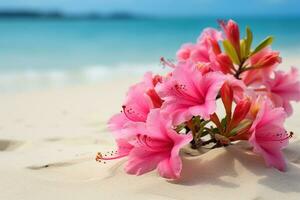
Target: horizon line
[{"x": 60, "y": 14}]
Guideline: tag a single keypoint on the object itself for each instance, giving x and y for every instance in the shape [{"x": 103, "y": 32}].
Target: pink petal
[{"x": 141, "y": 161}]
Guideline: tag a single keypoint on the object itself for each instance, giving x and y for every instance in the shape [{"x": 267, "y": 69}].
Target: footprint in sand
[
  {"x": 59, "y": 164},
  {"x": 53, "y": 139},
  {"x": 258, "y": 198},
  {"x": 77, "y": 141},
  {"x": 10, "y": 145}
]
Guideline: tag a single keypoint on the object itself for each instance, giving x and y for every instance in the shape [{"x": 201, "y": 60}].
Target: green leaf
[
  {"x": 203, "y": 123},
  {"x": 244, "y": 124},
  {"x": 180, "y": 127},
  {"x": 231, "y": 52},
  {"x": 197, "y": 120},
  {"x": 215, "y": 130},
  {"x": 224, "y": 122},
  {"x": 204, "y": 133},
  {"x": 243, "y": 49},
  {"x": 249, "y": 40},
  {"x": 266, "y": 42}
]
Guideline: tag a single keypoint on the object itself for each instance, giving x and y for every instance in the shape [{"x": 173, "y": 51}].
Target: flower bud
[
  {"x": 240, "y": 112},
  {"x": 268, "y": 60},
  {"x": 232, "y": 33},
  {"x": 156, "y": 100},
  {"x": 227, "y": 98},
  {"x": 215, "y": 119},
  {"x": 215, "y": 46},
  {"x": 225, "y": 63}
]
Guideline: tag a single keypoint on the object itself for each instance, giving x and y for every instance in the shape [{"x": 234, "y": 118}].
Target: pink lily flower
[
  {"x": 141, "y": 98},
  {"x": 197, "y": 53},
  {"x": 208, "y": 35},
  {"x": 190, "y": 93},
  {"x": 268, "y": 136},
  {"x": 156, "y": 145},
  {"x": 284, "y": 88},
  {"x": 238, "y": 87},
  {"x": 205, "y": 51},
  {"x": 184, "y": 53},
  {"x": 200, "y": 55},
  {"x": 264, "y": 63}
]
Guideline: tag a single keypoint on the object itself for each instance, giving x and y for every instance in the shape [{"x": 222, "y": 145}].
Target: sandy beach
[
  {"x": 65, "y": 69},
  {"x": 49, "y": 138}
]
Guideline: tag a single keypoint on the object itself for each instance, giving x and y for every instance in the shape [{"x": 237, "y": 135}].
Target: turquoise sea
[{"x": 59, "y": 52}]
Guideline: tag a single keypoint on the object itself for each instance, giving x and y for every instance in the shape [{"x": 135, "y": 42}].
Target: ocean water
[{"x": 38, "y": 53}]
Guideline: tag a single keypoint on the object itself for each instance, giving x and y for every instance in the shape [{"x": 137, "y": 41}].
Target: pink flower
[
  {"x": 124, "y": 133},
  {"x": 189, "y": 93},
  {"x": 268, "y": 136},
  {"x": 147, "y": 132},
  {"x": 125, "y": 139},
  {"x": 184, "y": 53},
  {"x": 238, "y": 87},
  {"x": 141, "y": 98},
  {"x": 200, "y": 55},
  {"x": 209, "y": 39},
  {"x": 264, "y": 63},
  {"x": 284, "y": 88},
  {"x": 205, "y": 51},
  {"x": 156, "y": 145},
  {"x": 208, "y": 35}
]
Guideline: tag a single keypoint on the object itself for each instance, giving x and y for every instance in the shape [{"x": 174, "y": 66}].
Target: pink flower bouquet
[{"x": 164, "y": 113}]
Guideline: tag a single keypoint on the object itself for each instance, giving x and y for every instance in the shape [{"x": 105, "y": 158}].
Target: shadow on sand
[{"x": 202, "y": 170}]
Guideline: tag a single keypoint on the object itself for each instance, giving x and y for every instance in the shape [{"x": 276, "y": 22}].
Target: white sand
[{"x": 48, "y": 141}]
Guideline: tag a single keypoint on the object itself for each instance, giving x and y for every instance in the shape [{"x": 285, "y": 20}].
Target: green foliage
[
  {"x": 231, "y": 52},
  {"x": 244, "y": 124},
  {"x": 180, "y": 127},
  {"x": 266, "y": 42},
  {"x": 248, "y": 41},
  {"x": 224, "y": 122},
  {"x": 243, "y": 49}
]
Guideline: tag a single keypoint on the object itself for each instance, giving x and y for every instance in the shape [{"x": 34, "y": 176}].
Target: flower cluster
[{"x": 163, "y": 113}]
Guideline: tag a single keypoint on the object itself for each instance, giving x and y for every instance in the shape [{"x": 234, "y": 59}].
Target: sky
[{"x": 165, "y": 7}]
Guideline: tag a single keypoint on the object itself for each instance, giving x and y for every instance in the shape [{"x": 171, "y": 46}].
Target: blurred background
[{"x": 53, "y": 43}]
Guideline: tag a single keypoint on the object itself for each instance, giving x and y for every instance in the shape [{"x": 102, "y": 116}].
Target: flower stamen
[
  {"x": 168, "y": 63},
  {"x": 131, "y": 114},
  {"x": 100, "y": 157}
]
